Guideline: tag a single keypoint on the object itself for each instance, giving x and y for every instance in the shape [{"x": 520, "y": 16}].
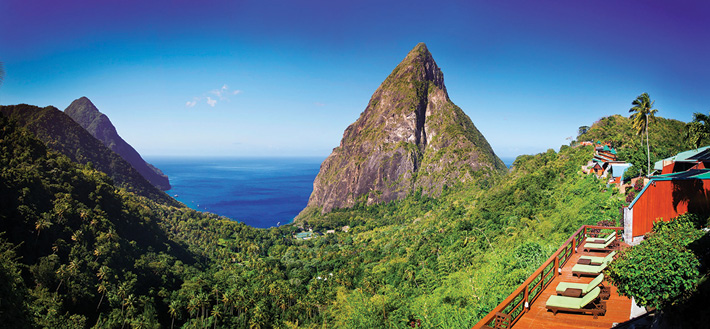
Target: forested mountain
[
  {"x": 410, "y": 137},
  {"x": 64, "y": 135},
  {"x": 667, "y": 138},
  {"x": 85, "y": 113},
  {"x": 79, "y": 252}
]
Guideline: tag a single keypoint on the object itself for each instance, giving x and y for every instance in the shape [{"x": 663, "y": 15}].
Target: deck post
[
  {"x": 527, "y": 302},
  {"x": 557, "y": 266},
  {"x": 574, "y": 245}
]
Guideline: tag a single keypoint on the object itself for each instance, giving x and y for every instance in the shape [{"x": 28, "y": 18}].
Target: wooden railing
[{"x": 520, "y": 300}]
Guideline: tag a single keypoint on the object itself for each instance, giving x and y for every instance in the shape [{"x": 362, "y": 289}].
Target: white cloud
[{"x": 222, "y": 94}]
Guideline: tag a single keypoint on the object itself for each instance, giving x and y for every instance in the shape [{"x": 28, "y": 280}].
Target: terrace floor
[{"x": 618, "y": 308}]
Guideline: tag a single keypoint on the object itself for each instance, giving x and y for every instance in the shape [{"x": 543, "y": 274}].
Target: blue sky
[{"x": 285, "y": 78}]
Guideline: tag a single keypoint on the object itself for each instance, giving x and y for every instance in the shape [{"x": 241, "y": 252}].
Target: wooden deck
[{"x": 618, "y": 309}]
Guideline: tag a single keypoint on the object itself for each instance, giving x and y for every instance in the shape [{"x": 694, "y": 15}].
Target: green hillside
[
  {"x": 67, "y": 137},
  {"x": 78, "y": 251},
  {"x": 666, "y": 138},
  {"x": 83, "y": 253}
]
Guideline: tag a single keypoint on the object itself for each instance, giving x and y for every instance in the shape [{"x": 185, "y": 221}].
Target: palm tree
[
  {"x": 216, "y": 314},
  {"x": 643, "y": 112},
  {"x": 173, "y": 310},
  {"x": 101, "y": 288},
  {"x": 697, "y": 130},
  {"x": 42, "y": 223}
]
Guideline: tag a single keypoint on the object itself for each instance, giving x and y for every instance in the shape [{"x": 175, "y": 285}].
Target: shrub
[
  {"x": 638, "y": 186},
  {"x": 661, "y": 271},
  {"x": 603, "y": 222},
  {"x": 630, "y": 196}
]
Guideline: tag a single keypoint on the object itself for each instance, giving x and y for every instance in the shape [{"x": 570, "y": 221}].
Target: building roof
[
  {"x": 618, "y": 169},
  {"x": 685, "y": 157},
  {"x": 688, "y": 174},
  {"x": 702, "y": 156}
]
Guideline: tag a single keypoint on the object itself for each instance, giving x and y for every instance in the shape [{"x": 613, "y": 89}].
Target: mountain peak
[
  {"x": 419, "y": 48},
  {"x": 82, "y": 104},
  {"x": 85, "y": 113},
  {"x": 419, "y": 66},
  {"x": 410, "y": 136}
]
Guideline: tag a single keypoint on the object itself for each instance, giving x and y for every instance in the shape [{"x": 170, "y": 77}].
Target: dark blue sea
[{"x": 260, "y": 192}]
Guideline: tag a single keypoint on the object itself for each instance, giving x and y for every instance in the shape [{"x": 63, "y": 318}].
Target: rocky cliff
[
  {"x": 410, "y": 136},
  {"x": 98, "y": 125}
]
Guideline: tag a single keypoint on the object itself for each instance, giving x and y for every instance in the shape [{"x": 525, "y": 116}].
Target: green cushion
[
  {"x": 589, "y": 268},
  {"x": 588, "y": 298},
  {"x": 593, "y": 259},
  {"x": 594, "y": 283},
  {"x": 597, "y": 245},
  {"x": 599, "y": 259},
  {"x": 610, "y": 237},
  {"x": 562, "y": 286},
  {"x": 586, "y": 287},
  {"x": 572, "y": 302},
  {"x": 563, "y": 301}
]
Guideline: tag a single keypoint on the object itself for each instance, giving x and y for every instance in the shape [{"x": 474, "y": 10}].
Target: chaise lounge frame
[{"x": 595, "y": 307}]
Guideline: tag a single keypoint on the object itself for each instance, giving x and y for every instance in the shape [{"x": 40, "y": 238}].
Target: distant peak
[
  {"x": 82, "y": 104},
  {"x": 419, "y": 53},
  {"x": 419, "y": 65},
  {"x": 421, "y": 47}
]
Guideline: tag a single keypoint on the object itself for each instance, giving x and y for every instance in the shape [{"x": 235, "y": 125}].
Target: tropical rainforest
[{"x": 79, "y": 251}]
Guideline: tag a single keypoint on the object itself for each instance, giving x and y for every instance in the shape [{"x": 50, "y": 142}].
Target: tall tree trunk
[
  {"x": 100, "y": 300},
  {"x": 648, "y": 152}
]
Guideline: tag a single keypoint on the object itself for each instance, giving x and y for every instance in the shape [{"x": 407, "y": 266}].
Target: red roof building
[{"x": 665, "y": 197}]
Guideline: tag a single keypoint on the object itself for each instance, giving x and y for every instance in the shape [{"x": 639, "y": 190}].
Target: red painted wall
[{"x": 669, "y": 199}]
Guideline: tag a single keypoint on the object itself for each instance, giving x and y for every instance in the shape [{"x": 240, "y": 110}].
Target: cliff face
[
  {"x": 98, "y": 125},
  {"x": 410, "y": 136}
]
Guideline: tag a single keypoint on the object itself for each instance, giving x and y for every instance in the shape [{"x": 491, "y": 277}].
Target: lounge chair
[
  {"x": 590, "y": 303},
  {"x": 592, "y": 260},
  {"x": 590, "y": 270},
  {"x": 571, "y": 289},
  {"x": 607, "y": 246},
  {"x": 608, "y": 238}
]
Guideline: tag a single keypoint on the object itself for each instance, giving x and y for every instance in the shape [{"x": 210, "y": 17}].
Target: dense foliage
[
  {"x": 665, "y": 268},
  {"x": 80, "y": 252},
  {"x": 697, "y": 131}
]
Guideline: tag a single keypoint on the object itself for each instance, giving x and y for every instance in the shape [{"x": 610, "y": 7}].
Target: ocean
[
  {"x": 508, "y": 161},
  {"x": 260, "y": 192}
]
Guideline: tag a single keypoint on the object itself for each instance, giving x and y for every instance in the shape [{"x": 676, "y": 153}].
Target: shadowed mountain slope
[
  {"x": 67, "y": 137},
  {"x": 85, "y": 113}
]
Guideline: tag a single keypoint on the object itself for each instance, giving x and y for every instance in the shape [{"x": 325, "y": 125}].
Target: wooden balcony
[{"x": 513, "y": 313}]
